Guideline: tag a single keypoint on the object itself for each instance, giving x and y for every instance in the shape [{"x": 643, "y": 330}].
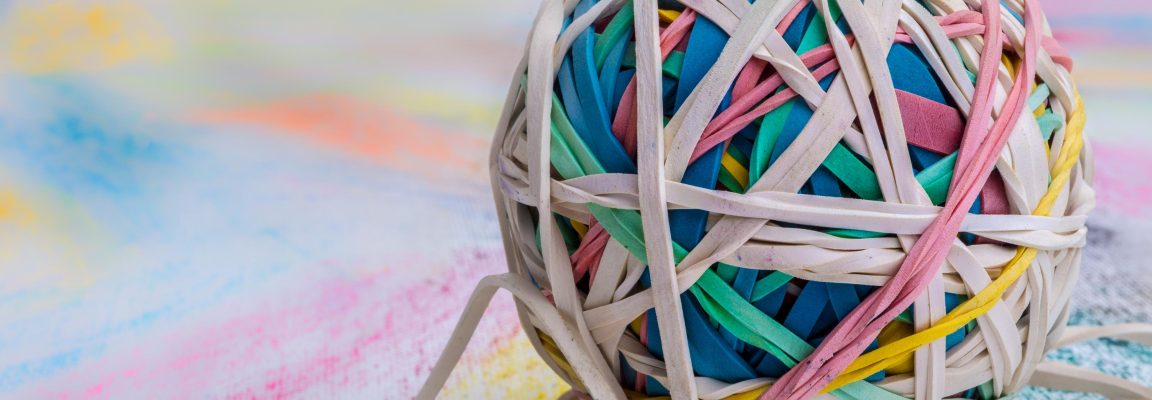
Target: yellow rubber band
[
  {"x": 735, "y": 169},
  {"x": 667, "y": 16},
  {"x": 558, "y": 357},
  {"x": 895, "y": 352},
  {"x": 580, "y": 228}
]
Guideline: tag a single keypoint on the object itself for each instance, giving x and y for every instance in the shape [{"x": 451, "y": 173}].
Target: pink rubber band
[
  {"x": 624, "y": 126},
  {"x": 852, "y": 335},
  {"x": 930, "y": 125}
]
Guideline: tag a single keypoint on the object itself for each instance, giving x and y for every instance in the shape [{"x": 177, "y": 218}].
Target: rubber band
[{"x": 831, "y": 175}]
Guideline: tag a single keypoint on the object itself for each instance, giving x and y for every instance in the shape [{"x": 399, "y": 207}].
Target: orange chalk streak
[{"x": 392, "y": 138}]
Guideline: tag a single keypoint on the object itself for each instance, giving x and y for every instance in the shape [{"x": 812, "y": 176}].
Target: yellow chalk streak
[
  {"x": 512, "y": 371},
  {"x": 12, "y": 209},
  {"x": 60, "y": 36}
]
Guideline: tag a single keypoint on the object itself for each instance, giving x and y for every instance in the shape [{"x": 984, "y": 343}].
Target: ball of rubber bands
[{"x": 793, "y": 199}]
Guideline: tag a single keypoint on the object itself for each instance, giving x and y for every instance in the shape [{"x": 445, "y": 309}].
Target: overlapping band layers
[{"x": 794, "y": 198}]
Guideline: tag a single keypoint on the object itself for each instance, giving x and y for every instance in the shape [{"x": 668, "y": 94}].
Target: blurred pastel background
[{"x": 238, "y": 199}]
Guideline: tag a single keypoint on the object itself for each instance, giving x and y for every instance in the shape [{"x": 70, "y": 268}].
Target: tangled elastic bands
[
  {"x": 794, "y": 199},
  {"x": 848, "y": 340}
]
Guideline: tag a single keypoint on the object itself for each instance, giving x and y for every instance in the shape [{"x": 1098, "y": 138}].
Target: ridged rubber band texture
[{"x": 793, "y": 199}]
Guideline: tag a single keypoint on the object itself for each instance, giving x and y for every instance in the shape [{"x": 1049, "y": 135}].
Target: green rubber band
[
  {"x": 727, "y": 273},
  {"x": 853, "y": 173},
  {"x": 817, "y": 33},
  {"x": 937, "y": 178},
  {"x": 729, "y": 181},
  {"x": 769, "y": 284},
  {"x": 737, "y": 325},
  {"x": 612, "y": 34},
  {"x": 905, "y": 316},
  {"x": 726, "y": 177},
  {"x": 1049, "y": 124},
  {"x": 774, "y": 121},
  {"x": 738, "y": 155},
  {"x": 854, "y": 233},
  {"x": 624, "y": 226},
  {"x": 562, "y": 158},
  {"x": 747, "y": 323},
  {"x": 671, "y": 66},
  {"x": 539, "y": 247},
  {"x": 766, "y": 139},
  {"x": 580, "y": 150},
  {"x": 1037, "y": 98},
  {"x": 986, "y": 390},
  {"x": 571, "y": 238}
]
